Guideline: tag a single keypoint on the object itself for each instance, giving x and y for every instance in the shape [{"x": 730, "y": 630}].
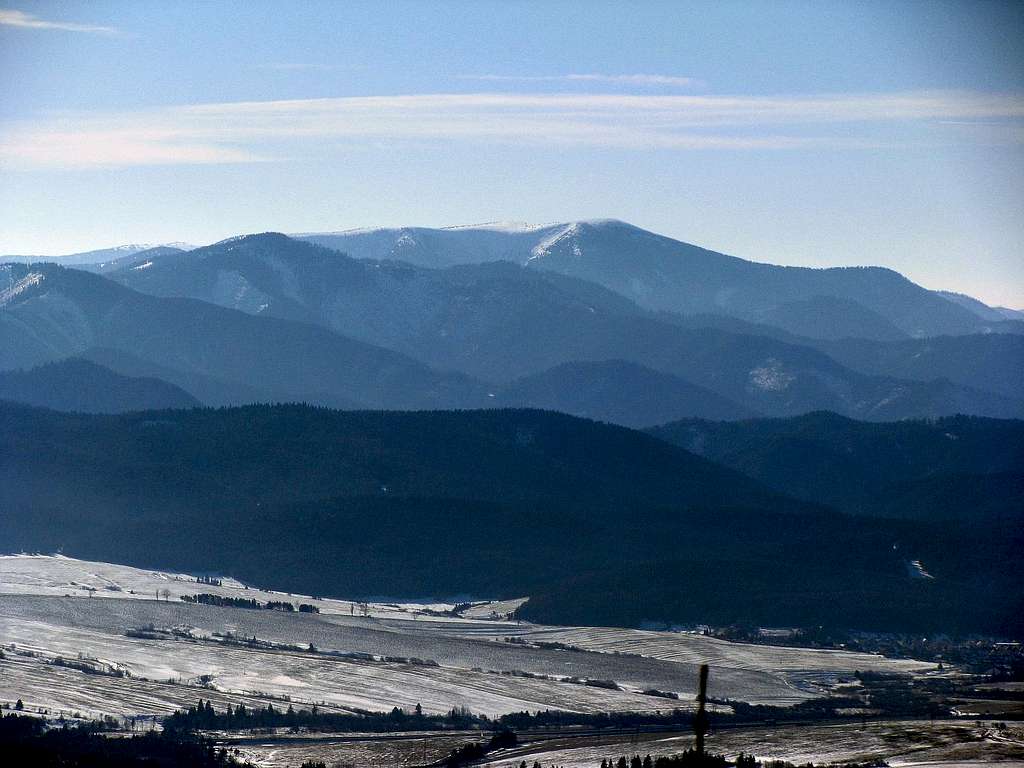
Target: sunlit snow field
[
  {"x": 396, "y": 655},
  {"x": 901, "y": 744}
]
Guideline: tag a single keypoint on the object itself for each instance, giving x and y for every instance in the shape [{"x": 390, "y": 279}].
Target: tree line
[
  {"x": 203, "y": 717},
  {"x": 28, "y": 741},
  {"x": 221, "y": 601}
]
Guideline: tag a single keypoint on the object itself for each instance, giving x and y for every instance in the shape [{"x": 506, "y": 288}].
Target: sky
[{"x": 805, "y": 133}]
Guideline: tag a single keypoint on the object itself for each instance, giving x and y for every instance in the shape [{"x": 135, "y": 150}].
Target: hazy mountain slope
[
  {"x": 138, "y": 261},
  {"x": 665, "y": 274},
  {"x": 380, "y": 301},
  {"x": 831, "y": 317},
  {"x": 499, "y": 322},
  {"x": 905, "y": 469},
  {"x": 981, "y": 309},
  {"x": 733, "y": 325},
  {"x": 48, "y": 312},
  {"x": 446, "y": 247},
  {"x": 442, "y": 503},
  {"x": 992, "y": 361},
  {"x": 80, "y": 385},
  {"x": 618, "y": 392},
  {"x": 208, "y": 390},
  {"x": 96, "y": 257}
]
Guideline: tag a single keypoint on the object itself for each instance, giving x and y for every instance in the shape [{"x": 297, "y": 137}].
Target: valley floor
[
  {"x": 89, "y": 640},
  {"x": 901, "y": 743}
]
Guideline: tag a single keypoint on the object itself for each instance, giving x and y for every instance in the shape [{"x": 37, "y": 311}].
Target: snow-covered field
[
  {"x": 900, "y": 743},
  {"x": 342, "y": 751},
  {"x": 64, "y": 576},
  {"x": 398, "y": 654},
  {"x": 691, "y": 648}
]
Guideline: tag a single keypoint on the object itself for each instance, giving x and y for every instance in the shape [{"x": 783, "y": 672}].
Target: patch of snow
[
  {"x": 145, "y": 265},
  {"x": 139, "y": 247},
  {"x": 770, "y": 376},
  {"x": 11, "y": 291},
  {"x": 543, "y": 248},
  {"x": 501, "y": 226},
  {"x": 511, "y": 227},
  {"x": 916, "y": 570},
  {"x": 891, "y": 398}
]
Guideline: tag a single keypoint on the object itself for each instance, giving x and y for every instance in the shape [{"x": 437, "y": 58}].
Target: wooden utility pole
[{"x": 700, "y": 720}]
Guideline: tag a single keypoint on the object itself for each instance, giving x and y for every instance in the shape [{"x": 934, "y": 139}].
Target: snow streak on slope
[
  {"x": 543, "y": 248},
  {"x": 16, "y": 287}
]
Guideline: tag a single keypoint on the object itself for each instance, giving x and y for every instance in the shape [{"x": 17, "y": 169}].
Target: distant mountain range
[
  {"x": 617, "y": 391},
  {"x": 981, "y": 309},
  {"x": 49, "y": 312},
  {"x": 442, "y": 503},
  {"x": 660, "y": 273},
  {"x": 499, "y": 323},
  {"x": 98, "y": 259},
  {"x": 269, "y": 318},
  {"x": 777, "y": 402},
  {"x": 75, "y": 384}
]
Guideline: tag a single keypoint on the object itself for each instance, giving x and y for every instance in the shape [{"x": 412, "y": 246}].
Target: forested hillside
[
  {"x": 959, "y": 467},
  {"x": 481, "y": 503}
]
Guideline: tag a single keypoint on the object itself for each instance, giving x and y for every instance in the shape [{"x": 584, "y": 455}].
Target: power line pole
[{"x": 700, "y": 720}]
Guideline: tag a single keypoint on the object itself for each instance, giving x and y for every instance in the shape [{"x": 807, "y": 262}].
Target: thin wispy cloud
[
  {"x": 288, "y": 66},
  {"x": 255, "y": 131},
  {"x": 636, "y": 80},
  {"x": 12, "y": 18}
]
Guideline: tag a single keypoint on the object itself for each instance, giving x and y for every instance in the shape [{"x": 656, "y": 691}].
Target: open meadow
[
  {"x": 396, "y": 655},
  {"x": 86, "y": 640}
]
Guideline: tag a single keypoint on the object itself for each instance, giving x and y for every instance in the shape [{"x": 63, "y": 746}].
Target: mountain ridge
[
  {"x": 908, "y": 468},
  {"x": 675, "y": 276},
  {"x": 498, "y": 322},
  {"x": 81, "y": 385},
  {"x": 50, "y": 312}
]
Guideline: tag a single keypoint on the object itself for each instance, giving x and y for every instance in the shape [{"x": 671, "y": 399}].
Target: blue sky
[{"x": 799, "y": 133}]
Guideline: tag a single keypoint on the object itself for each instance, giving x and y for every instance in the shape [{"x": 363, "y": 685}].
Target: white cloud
[
  {"x": 258, "y": 131},
  {"x": 12, "y": 18},
  {"x": 287, "y": 66},
  {"x": 638, "y": 79}
]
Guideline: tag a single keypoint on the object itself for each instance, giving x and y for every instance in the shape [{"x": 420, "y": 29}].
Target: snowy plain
[{"x": 397, "y": 654}]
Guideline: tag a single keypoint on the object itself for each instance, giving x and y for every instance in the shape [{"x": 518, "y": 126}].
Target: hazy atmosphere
[
  {"x": 449, "y": 384},
  {"x": 793, "y": 133}
]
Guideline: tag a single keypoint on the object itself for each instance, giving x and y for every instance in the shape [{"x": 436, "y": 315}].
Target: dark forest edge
[
  {"x": 661, "y": 535},
  {"x": 29, "y": 741}
]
